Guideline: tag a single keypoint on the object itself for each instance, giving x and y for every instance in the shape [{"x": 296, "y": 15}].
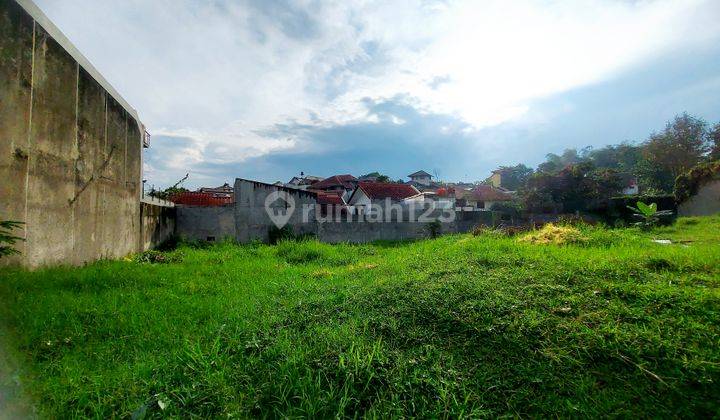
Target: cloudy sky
[{"x": 264, "y": 89}]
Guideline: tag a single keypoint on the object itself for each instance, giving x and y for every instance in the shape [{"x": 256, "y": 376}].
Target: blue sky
[{"x": 265, "y": 89}]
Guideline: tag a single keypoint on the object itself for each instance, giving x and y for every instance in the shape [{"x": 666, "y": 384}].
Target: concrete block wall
[
  {"x": 705, "y": 203},
  {"x": 70, "y": 148},
  {"x": 157, "y": 224},
  {"x": 252, "y": 220},
  {"x": 247, "y": 220},
  {"x": 206, "y": 223}
]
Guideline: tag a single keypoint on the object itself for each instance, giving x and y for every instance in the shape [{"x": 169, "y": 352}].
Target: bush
[
  {"x": 618, "y": 209},
  {"x": 507, "y": 209},
  {"x": 434, "y": 228},
  {"x": 688, "y": 184},
  {"x": 556, "y": 235}
]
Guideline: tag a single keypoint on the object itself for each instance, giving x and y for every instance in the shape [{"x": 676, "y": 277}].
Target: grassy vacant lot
[{"x": 458, "y": 326}]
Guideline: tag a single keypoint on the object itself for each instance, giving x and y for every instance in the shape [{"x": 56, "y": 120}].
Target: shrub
[
  {"x": 507, "y": 209},
  {"x": 277, "y": 234},
  {"x": 556, "y": 235},
  {"x": 688, "y": 184},
  {"x": 648, "y": 214},
  {"x": 434, "y": 228}
]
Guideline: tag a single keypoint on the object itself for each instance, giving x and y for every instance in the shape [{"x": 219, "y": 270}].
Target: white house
[
  {"x": 421, "y": 177},
  {"x": 368, "y": 193}
]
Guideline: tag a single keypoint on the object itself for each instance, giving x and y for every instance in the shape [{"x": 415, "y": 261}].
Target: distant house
[
  {"x": 340, "y": 183},
  {"x": 631, "y": 186},
  {"x": 482, "y": 197},
  {"x": 223, "y": 191},
  {"x": 420, "y": 177},
  {"x": 303, "y": 181},
  {"x": 368, "y": 193},
  {"x": 441, "y": 198},
  {"x": 496, "y": 179},
  {"x": 331, "y": 202}
]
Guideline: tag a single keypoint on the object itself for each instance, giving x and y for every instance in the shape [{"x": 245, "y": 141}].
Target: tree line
[{"x": 575, "y": 180}]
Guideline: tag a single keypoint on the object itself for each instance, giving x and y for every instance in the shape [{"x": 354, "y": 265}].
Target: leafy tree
[
  {"x": 605, "y": 183},
  {"x": 622, "y": 157},
  {"x": 514, "y": 177},
  {"x": 167, "y": 192},
  {"x": 170, "y": 191},
  {"x": 7, "y": 239},
  {"x": 575, "y": 187},
  {"x": 378, "y": 177},
  {"x": 680, "y": 146},
  {"x": 714, "y": 137},
  {"x": 554, "y": 163}
]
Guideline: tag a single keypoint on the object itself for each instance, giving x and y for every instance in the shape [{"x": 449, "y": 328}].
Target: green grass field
[{"x": 457, "y": 326}]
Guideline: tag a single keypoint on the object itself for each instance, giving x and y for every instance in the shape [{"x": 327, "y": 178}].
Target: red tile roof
[
  {"x": 383, "y": 190},
  {"x": 489, "y": 193},
  {"x": 190, "y": 198},
  {"x": 347, "y": 181},
  {"x": 331, "y": 197}
]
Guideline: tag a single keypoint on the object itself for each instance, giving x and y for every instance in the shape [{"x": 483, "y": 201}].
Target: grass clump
[
  {"x": 552, "y": 234},
  {"x": 458, "y": 326},
  {"x": 157, "y": 257}
]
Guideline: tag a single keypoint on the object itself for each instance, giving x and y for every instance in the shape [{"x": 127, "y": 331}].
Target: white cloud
[{"x": 222, "y": 73}]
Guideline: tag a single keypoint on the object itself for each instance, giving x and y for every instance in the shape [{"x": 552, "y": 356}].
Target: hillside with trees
[{"x": 577, "y": 180}]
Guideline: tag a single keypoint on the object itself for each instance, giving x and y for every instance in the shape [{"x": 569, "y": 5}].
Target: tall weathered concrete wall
[
  {"x": 252, "y": 220},
  {"x": 157, "y": 224},
  {"x": 70, "y": 148},
  {"x": 248, "y": 219},
  {"x": 206, "y": 223},
  {"x": 705, "y": 203}
]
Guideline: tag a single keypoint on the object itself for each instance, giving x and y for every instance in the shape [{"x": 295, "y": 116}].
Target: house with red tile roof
[
  {"x": 331, "y": 201},
  {"x": 368, "y": 193},
  {"x": 482, "y": 197},
  {"x": 344, "y": 183}
]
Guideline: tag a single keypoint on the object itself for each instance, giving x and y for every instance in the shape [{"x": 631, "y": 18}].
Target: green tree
[
  {"x": 622, "y": 157},
  {"x": 514, "y": 177},
  {"x": 556, "y": 163},
  {"x": 680, "y": 146},
  {"x": 714, "y": 137}
]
